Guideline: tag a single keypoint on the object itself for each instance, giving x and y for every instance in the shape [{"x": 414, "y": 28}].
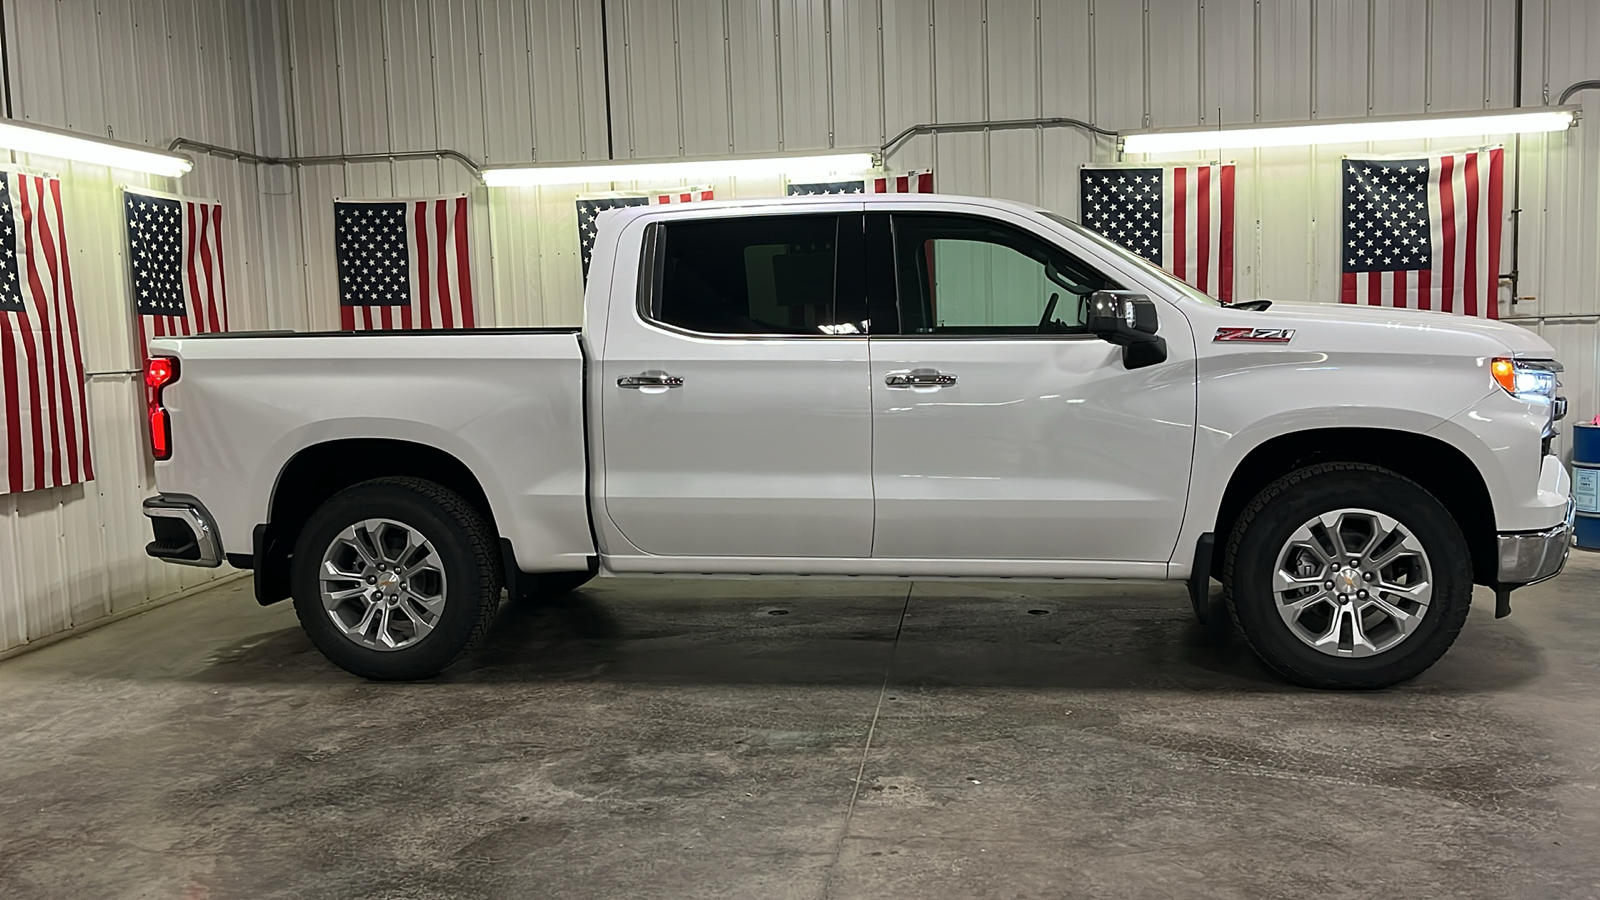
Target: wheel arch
[
  {"x": 1438, "y": 467},
  {"x": 317, "y": 472}
]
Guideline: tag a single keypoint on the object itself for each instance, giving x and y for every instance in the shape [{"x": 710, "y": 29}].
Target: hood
[{"x": 1384, "y": 324}]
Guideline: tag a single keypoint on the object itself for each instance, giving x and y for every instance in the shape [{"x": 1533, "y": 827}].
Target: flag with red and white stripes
[
  {"x": 44, "y": 413},
  {"x": 919, "y": 181},
  {"x": 175, "y": 265},
  {"x": 403, "y": 264},
  {"x": 1423, "y": 233},
  {"x": 1179, "y": 217},
  {"x": 590, "y": 206}
]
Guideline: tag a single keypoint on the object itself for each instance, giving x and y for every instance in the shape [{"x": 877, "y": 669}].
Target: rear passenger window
[{"x": 750, "y": 275}]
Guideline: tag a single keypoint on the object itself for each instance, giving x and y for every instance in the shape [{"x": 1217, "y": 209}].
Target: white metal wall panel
[
  {"x": 1338, "y": 60},
  {"x": 753, "y": 71},
  {"x": 1118, "y": 30},
  {"x": 1285, "y": 61},
  {"x": 857, "y": 73},
  {"x": 703, "y": 77},
  {"x": 804, "y": 80},
  {"x": 1173, "y": 39},
  {"x": 1228, "y": 65}
]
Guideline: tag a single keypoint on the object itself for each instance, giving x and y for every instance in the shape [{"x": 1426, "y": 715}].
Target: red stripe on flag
[
  {"x": 420, "y": 230},
  {"x": 1180, "y": 222},
  {"x": 208, "y": 228},
  {"x": 84, "y": 453},
  {"x": 1374, "y": 288},
  {"x": 1424, "y": 289},
  {"x": 222, "y": 270},
  {"x": 1347, "y": 288},
  {"x": 36, "y": 399},
  {"x": 464, "y": 261},
  {"x": 438, "y": 236},
  {"x": 1202, "y": 227},
  {"x": 196, "y": 309},
  {"x": 1447, "y": 222},
  {"x": 1400, "y": 295},
  {"x": 1470, "y": 288},
  {"x": 1496, "y": 226},
  {"x": 1225, "y": 248},
  {"x": 347, "y": 318},
  {"x": 8, "y": 358}
]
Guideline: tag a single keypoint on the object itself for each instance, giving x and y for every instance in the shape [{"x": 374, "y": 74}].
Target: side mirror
[{"x": 1129, "y": 320}]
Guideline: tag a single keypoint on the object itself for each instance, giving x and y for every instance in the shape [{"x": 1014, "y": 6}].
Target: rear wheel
[
  {"x": 1343, "y": 575},
  {"x": 395, "y": 578}
]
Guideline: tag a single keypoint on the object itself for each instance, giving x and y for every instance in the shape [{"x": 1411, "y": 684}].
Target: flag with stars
[
  {"x": 1423, "y": 233},
  {"x": 919, "y": 181},
  {"x": 1179, "y": 217},
  {"x": 44, "y": 412},
  {"x": 175, "y": 265},
  {"x": 590, "y": 206},
  {"x": 403, "y": 264}
]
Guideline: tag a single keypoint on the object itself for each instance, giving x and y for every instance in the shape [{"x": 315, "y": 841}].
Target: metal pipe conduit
[
  {"x": 1575, "y": 87},
  {"x": 894, "y": 143},
  {"x": 183, "y": 143}
]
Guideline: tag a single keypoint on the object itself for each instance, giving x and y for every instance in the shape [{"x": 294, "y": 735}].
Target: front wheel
[
  {"x": 1344, "y": 575},
  {"x": 395, "y": 578}
]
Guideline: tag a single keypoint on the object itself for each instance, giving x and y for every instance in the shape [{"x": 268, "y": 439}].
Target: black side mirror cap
[{"x": 1128, "y": 319}]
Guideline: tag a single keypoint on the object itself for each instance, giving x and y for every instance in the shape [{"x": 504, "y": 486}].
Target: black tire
[
  {"x": 1276, "y": 513},
  {"x": 467, "y": 554},
  {"x": 545, "y": 587}
]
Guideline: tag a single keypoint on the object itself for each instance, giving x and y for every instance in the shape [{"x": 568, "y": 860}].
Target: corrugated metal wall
[
  {"x": 517, "y": 80},
  {"x": 143, "y": 71}
]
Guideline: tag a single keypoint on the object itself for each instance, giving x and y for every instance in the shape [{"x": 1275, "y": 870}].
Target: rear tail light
[{"x": 159, "y": 371}]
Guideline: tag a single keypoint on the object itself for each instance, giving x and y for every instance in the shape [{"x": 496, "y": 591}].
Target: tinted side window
[
  {"x": 750, "y": 275},
  {"x": 961, "y": 275}
]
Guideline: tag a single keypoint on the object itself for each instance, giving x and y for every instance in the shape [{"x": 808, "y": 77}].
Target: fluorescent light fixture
[
  {"x": 56, "y": 142},
  {"x": 671, "y": 170},
  {"x": 1352, "y": 131}
]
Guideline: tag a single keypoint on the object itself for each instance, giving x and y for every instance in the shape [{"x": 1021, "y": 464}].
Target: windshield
[{"x": 1166, "y": 278}]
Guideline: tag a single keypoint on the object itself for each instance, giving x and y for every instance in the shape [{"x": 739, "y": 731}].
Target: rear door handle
[
  {"x": 651, "y": 379},
  {"x": 919, "y": 378}
]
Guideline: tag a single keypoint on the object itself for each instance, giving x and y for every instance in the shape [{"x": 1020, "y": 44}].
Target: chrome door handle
[
  {"x": 924, "y": 378},
  {"x": 650, "y": 380}
]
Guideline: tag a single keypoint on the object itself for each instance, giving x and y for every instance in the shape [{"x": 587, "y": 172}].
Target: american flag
[
  {"x": 403, "y": 264},
  {"x": 175, "y": 265},
  {"x": 44, "y": 412},
  {"x": 1178, "y": 217},
  {"x": 1423, "y": 233},
  {"x": 917, "y": 182},
  {"x": 590, "y": 206}
]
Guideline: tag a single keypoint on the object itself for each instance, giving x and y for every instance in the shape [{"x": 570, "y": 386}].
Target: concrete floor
[{"x": 779, "y": 739}]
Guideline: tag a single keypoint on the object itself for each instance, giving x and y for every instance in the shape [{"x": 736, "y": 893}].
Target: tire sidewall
[
  {"x": 463, "y": 582},
  {"x": 1262, "y": 540}
]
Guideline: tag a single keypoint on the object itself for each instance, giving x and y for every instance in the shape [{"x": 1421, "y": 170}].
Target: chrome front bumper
[{"x": 1530, "y": 557}]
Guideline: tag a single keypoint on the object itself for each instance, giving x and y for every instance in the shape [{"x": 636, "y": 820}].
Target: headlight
[{"x": 1527, "y": 379}]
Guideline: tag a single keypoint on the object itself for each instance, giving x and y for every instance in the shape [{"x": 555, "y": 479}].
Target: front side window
[
  {"x": 750, "y": 275},
  {"x": 960, "y": 275}
]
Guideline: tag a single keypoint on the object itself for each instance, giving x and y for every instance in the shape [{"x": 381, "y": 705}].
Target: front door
[
  {"x": 1001, "y": 429},
  {"x": 735, "y": 403}
]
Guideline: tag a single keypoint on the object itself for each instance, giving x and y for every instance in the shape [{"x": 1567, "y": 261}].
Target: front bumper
[{"x": 1529, "y": 557}]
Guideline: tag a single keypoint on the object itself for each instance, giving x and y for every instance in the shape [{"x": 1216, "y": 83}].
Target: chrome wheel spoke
[{"x": 382, "y": 584}]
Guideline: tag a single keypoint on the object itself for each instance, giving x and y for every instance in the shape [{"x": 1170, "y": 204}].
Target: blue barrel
[{"x": 1586, "y": 483}]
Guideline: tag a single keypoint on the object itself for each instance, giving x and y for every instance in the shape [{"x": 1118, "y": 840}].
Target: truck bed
[{"x": 506, "y": 403}]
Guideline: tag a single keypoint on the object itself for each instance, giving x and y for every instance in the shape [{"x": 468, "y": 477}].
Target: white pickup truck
[{"x": 894, "y": 386}]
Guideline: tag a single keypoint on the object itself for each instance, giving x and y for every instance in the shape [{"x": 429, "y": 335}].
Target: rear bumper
[
  {"x": 184, "y": 532},
  {"x": 1529, "y": 557}
]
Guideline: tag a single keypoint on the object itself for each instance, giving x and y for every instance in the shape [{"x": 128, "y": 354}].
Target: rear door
[
  {"x": 736, "y": 408},
  {"x": 1001, "y": 429}
]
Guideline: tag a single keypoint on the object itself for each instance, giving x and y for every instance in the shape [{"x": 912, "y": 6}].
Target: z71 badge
[{"x": 1255, "y": 335}]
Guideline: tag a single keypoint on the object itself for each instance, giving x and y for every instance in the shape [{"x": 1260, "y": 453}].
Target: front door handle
[
  {"x": 919, "y": 378},
  {"x": 651, "y": 379}
]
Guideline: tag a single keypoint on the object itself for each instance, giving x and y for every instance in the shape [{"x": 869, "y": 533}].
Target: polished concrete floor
[{"x": 780, "y": 739}]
